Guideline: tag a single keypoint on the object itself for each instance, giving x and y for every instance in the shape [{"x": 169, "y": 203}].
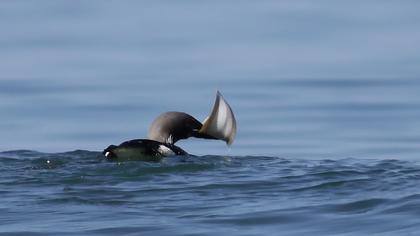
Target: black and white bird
[{"x": 172, "y": 126}]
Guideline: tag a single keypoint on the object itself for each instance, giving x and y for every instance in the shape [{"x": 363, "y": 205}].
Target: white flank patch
[{"x": 165, "y": 150}]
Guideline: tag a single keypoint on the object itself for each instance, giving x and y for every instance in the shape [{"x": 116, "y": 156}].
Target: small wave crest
[{"x": 218, "y": 191}]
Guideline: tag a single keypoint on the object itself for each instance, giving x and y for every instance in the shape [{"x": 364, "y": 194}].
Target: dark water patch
[
  {"x": 358, "y": 207},
  {"x": 259, "y": 218},
  {"x": 31, "y": 233},
  {"x": 332, "y": 185},
  {"x": 130, "y": 230}
]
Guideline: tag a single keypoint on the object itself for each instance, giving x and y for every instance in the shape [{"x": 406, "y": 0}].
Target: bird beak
[{"x": 221, "y": 123}]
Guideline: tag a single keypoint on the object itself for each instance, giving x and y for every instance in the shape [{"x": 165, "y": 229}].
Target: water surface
[
  {"x": 326, "y": 96},
  {"x": 79, "y": 193},
  {"x": 305, "y": 79}
]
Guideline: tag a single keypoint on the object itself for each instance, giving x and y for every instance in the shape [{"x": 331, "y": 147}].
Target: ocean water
[
  {"x": 326, "y": 96},
  {"x": 80, "y": 193}
]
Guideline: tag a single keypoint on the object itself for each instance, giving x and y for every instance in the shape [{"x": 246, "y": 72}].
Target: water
[
  {"x": 82, "y": 194},
  {"x": 325, "y": 95}
]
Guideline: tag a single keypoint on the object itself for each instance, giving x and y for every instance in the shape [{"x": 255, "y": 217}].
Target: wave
[{"x": 364, "y": 196}]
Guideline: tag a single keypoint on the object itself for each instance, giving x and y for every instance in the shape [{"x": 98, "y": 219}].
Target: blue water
[
  {"x": 326, "y": 96},
  {"x": 79, "y": 193}
]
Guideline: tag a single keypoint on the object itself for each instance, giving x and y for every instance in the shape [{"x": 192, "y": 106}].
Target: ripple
[
  {"x": 358, "y": 207},
  {"x": 206, "y": 192}
]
